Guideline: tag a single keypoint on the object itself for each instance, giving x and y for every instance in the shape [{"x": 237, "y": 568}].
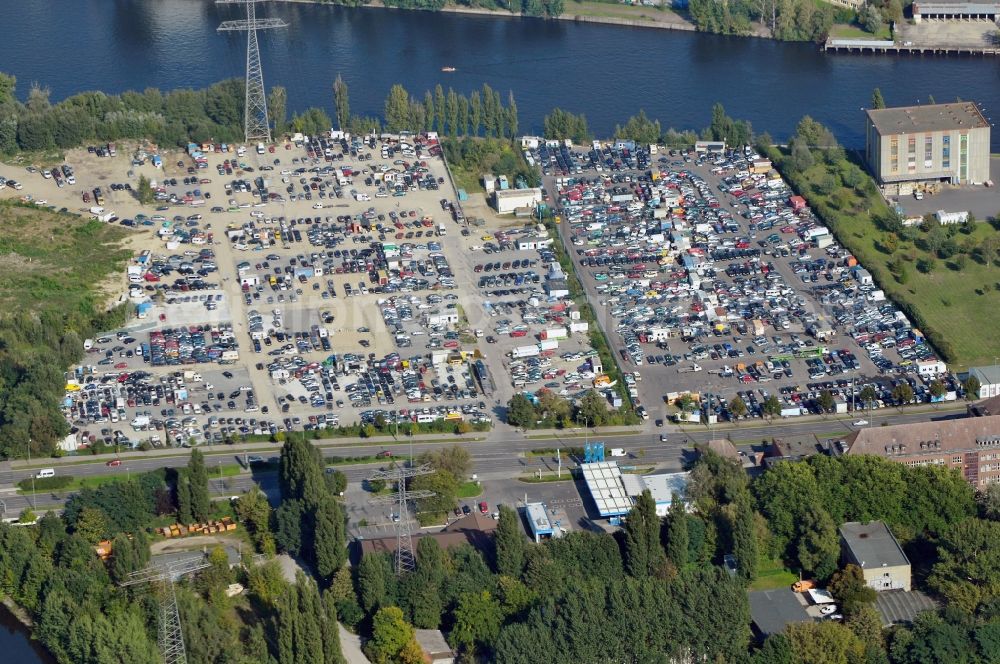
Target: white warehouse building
[{"x": 506, "y": 201}]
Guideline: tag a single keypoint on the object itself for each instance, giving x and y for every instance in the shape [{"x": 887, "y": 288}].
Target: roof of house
[
  {"x": 475, "y": 529},
  {"x": 926, "y": 437},
  {"x": 985, "y": 407},
  {"x": 721, "y": 446},
  {"x": 773, "y": 610},
  {"x": 928, "y": 117},
  {"x": 899, "y": 606},
  {"x": 432, "y": 642},
  {"x": 534, "y": 192},
  {"x": 988, "y": 375},
  {"x": 872, "y": 545}
]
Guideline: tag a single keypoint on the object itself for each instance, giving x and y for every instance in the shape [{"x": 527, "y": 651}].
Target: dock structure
[{"x": 870, "y": 46}]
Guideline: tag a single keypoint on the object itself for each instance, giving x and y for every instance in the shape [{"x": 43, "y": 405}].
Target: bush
[
  {"x": 350, "y": 612},
  {"x": 46, "y": 483}
]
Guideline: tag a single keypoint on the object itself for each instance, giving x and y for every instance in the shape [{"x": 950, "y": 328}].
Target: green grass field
[
  {"x": 956, "y": 302},
  {"x": 772, "y": 574},
  {"x": 469, "y": 490},
  {"x": 845, "y": 31}
]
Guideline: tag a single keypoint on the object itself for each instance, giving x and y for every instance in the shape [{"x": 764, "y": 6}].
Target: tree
[
  {"x": 771, "y": 406},
  {"x": 397, "y": 109},
  {"x": 877, "y": 100},
  {"x": 520, "y": 411},
  {"x": 868, "y": 395},
  {"x": 288, "y": 525},
  {"x": 677, "y": 532},
  {"x": 989, "y": 501},
  {"x": 801, "y": 158},
  {"x": 971, "y": 387},
  {"x": 643, "y": 553},
  {"x": 866, "y": 623},
  {"x": 512, "y": 119},
  {"x": 968, "y": 569},
  {"x": 144, "y": 191},
  {"x": 445, "y": 488},
  {"x": 92, "y": 524},
  {"x": 440, "y": 110},
  {"x": 478, "y": 618},
  {"x": 201, "y": 505},
  {"x": 330, "y": 547},
  {"x": 902, "y": 394},
  {"x": 937, "y": 389},
  {"x": 375, "y": 582},
  {"x": 825, "y": 642},
  {"x": 826, "y": 401},
  {"x": 848, "y": 586},
  {"x": 744, "y": 538},
  {"x": 184, "y": 514},
  {"x": 455, "y": 459},
  {"x": 390, "y": 634},
  {"x": 593, "y": 409},
  {"x": 818, "y": 544},
  {"x": 737, "y": 407},
  {"x": 277, "y": 109},
  {"x": 510, "y": 544},
  {"x": 341, "y": 102}
]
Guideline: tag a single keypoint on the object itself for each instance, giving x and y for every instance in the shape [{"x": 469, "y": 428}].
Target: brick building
[{"x": 971, "y": 444}]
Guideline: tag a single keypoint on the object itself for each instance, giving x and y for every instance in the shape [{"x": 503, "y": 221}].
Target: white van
[
  {"x": 617, "y": 452},
  {"x": 45, "y": 472}
]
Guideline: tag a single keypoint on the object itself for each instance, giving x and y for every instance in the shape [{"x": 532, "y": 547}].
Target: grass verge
[{"x": 772, "y": 574}]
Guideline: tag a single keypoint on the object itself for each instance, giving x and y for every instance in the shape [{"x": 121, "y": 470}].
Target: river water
[
  {"x": 606, "y": 72},
  {"x": 15, "y": 644}
]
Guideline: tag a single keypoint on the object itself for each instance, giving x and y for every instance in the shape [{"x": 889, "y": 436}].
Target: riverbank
[
  {"x": 578, "y": 12},
  {"x": 16, "y": 642}
]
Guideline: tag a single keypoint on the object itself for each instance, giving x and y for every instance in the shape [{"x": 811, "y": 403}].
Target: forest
[{"x": 655, "y": 591}]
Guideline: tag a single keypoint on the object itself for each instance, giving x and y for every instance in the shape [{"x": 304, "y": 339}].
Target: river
[
  {"x": 607, "y": 72},
  {"x": 16, "y": 644}
]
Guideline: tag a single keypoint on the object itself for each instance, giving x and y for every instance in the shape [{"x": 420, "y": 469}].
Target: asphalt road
[{"x": 501, "y": 456}]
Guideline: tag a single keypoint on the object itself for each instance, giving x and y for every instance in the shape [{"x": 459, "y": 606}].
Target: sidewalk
[{"x": 240, "y": 448}]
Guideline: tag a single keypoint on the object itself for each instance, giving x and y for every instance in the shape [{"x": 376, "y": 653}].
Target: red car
[
  {"x": 121, "y": 365},
  {"x": 114, "y": 463},
  {"x": 484, "y": 508}
]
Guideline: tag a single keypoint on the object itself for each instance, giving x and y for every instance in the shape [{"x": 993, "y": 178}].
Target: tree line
[
  {"x": 561, "y": 124},
  {"x": 537, "y": 8},
  {"x": 168, "y": 118},
  {"x": 787, "y": 20},
  {"x": 481, "y": 113}
]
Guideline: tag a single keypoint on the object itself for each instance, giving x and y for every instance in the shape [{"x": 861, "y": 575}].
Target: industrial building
[
  {"x": 615, "y": 492},
  {"x": 970, "y": 445},
  {"x": 916, "y": 146},
  {"x": 965, "y": 11},
  {"x": 507, "y": 201},
  {"x": 872, "y": 547},
  {"x": 538, "y": 522}
]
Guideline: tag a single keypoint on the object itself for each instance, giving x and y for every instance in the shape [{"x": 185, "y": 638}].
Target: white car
[
  {"x": 861, "y": 423},
  {"x": 827, "y": 609}
]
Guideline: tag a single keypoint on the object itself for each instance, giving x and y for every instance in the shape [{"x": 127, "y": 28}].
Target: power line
[
  {"x": 256, "y": 124},
  {"x": 405, "y": 558}
]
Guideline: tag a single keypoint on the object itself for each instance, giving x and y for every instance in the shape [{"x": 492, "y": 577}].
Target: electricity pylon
[
  {"x": 170, "y": 636},
  {"x": 256, "y": 125},
  {"x": 399, "y": 474}
]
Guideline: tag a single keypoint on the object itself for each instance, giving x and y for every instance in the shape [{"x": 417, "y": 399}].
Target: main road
[{"x": 504, "y": 454}]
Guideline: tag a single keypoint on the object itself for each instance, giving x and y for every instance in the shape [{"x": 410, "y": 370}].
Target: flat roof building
[
  {"x": 942, "y": 9},
  {"x": 933, "y": 143},
  {"x": 538, "y": 522},
  {"x": 508, "y": 200},
  {"x": 872, "y": 547}
]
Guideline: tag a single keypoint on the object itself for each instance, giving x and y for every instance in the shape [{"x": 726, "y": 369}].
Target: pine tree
[
  {"x": 509, "y": 541},
  {"x": 428, "y": 111},
  {"x": 452, "y": 112},
  {"x": 184, "y": 514},
  {"x": 332, "y": 653},
  {"x": 643, "y": 553},
  {"x": 123, "y": 558},
  {"x": 677, "y": 532},
  {"x": 201, "y": 506},
  {"x": 330, "y": 544},
  {"x": 512, "y": 119},
  {"x": 439, "y": 108},
  {"x": 877, "y": 100},
  {"x": 341, "y": 103},
  {"x": 744, "y": 538},
  {"x": 309, "y": 647},
  {"x": 475, "y": 112},
  {"x": 463, "y": 115}
]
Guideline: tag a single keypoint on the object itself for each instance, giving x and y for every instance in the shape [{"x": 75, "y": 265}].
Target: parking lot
[{"x": 713, "y": 279}]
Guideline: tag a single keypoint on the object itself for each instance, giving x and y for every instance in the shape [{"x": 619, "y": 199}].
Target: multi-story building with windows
[
  {"x": 970, "y": 444},
  {"x": 918, "y": 145}
]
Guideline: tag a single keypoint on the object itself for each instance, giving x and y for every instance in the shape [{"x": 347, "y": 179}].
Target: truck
[
  {"x": 525, "y": 351},
  {"x": 554, "y": 333}
]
